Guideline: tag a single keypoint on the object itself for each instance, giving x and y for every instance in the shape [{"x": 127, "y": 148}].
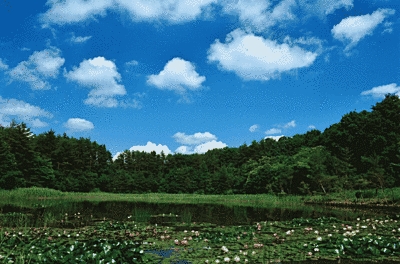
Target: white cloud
[
  {"x": 195, "y": 139},
  {"x": 3, "y": 65},
  {"x": 322, "y": 8},
  {"x": 149, "y": 147},
  {"x": 258, "y": 15},
  {"x": 255, "y": 58},
  {"x": 311, "y": 127},
  {"x": 174, "y": 11},
  {"x": 74, "y": 11},
  {"x": 25, "y": 49},
  {"x": 178, "y": 75},
  {"x": 198, "y": 142},
  {"x": 253, "y": 128},
  {"x": 79, "y": 39},
  {"x": 12, "y": 108},
  {"x": 380, "y": 91},
  {"x": 132, "y": 63},
  {"x": 102, "y": 77},
  {"x": 352, "y": 29},
  {"x": 276, "y": 138},
  {"x": 183, "y": 150},
  {"x": 41, "y": 66},
  {"x": 273, "y": 131},
  {"x": 78, "y": 124},
  {"x": 202, "y": 148},
  {"x": 290, "y": 124}
]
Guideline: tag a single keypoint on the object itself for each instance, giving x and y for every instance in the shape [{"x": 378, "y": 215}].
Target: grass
[
  {"x": 22, "y": 195},
  {"x": 389, "y": 197}
]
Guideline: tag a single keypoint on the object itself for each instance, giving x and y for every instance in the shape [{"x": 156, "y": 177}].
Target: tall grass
[
  {"x": 371, "y": 196},
  {"x": 32, "y": 195}
]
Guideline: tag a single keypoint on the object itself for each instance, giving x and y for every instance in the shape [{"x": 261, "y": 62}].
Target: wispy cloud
[
  {"x": 290, "y": 124},
  {"x": 273, "y": 131},
  {"x": 3, "y": 65},
  {"x": 79, "y": 39},
  {"x": 38, "y": 69},
  {"x": 381, "y": 91},
  {"x": 132, "y": 63},
  {"x": 30, "y": 114},
  {"x": 253, "y": 128},
  {"x": 75, "y": 11},
  {"x": 354, "y": 28}
]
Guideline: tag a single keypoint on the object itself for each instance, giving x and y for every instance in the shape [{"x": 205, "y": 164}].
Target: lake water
[{"x": 214, "y": 214}]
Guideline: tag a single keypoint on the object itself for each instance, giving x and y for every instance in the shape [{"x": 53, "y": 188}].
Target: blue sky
[{"x": 192, "y": 75}]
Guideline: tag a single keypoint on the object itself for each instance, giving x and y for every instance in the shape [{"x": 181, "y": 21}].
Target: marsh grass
[{"x": 365, "y": 197}]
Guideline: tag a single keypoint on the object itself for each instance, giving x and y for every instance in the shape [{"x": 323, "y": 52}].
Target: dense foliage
[{"x": 361, "y": 151}]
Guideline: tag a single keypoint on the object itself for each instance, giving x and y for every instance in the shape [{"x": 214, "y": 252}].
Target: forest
[{"x": 360, "y": 152}]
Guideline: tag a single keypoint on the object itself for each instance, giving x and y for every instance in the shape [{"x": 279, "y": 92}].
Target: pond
[{"x": 271, "y": 226}]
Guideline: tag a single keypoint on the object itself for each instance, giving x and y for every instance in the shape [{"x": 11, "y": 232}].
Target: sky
[{"x": 187, "y": 76}]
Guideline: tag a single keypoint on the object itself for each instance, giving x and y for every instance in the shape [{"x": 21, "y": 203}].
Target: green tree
[{"x": 10, "y": 176}]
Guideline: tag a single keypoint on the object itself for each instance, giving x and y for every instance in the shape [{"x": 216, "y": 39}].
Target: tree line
[{"x": 361, "y": 151}]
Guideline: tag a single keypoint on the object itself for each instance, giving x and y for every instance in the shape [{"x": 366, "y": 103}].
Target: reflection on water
[{"x": 214, "y": 214}]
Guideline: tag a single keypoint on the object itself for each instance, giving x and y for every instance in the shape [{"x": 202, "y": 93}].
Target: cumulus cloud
[
  {"x": 149, "y": 147},
  {"x": 255, "y": 58},
  {"x": 78, "y": 125},
  {"x": 253, "y": 128},
  {"x": 195, "y": 139},
  {"x": 276, "y": 138},
  {"x": 311, "y": 127},
  {"x": 381, "y": 91},
  {"x": 12, "y": 108},
  {"x": 273, "y": 131},
  {"x": 197, "y": 143},
  {"x": 290, "y": 124},
  {"x": 354, "y": 28},
  {"x": 74, "y": 11},
  {"x": 202, "y": 148},
  {"x": 184, "y": 150},
  {"x": 213, "y": 144},
  {"x": 40, "y": 66},
  {"x": 3, "y": 65},
  {"x": 178, "y": 75},
  {"x": 102, "y": 77},
  {"x": 79, "y": 39}
]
